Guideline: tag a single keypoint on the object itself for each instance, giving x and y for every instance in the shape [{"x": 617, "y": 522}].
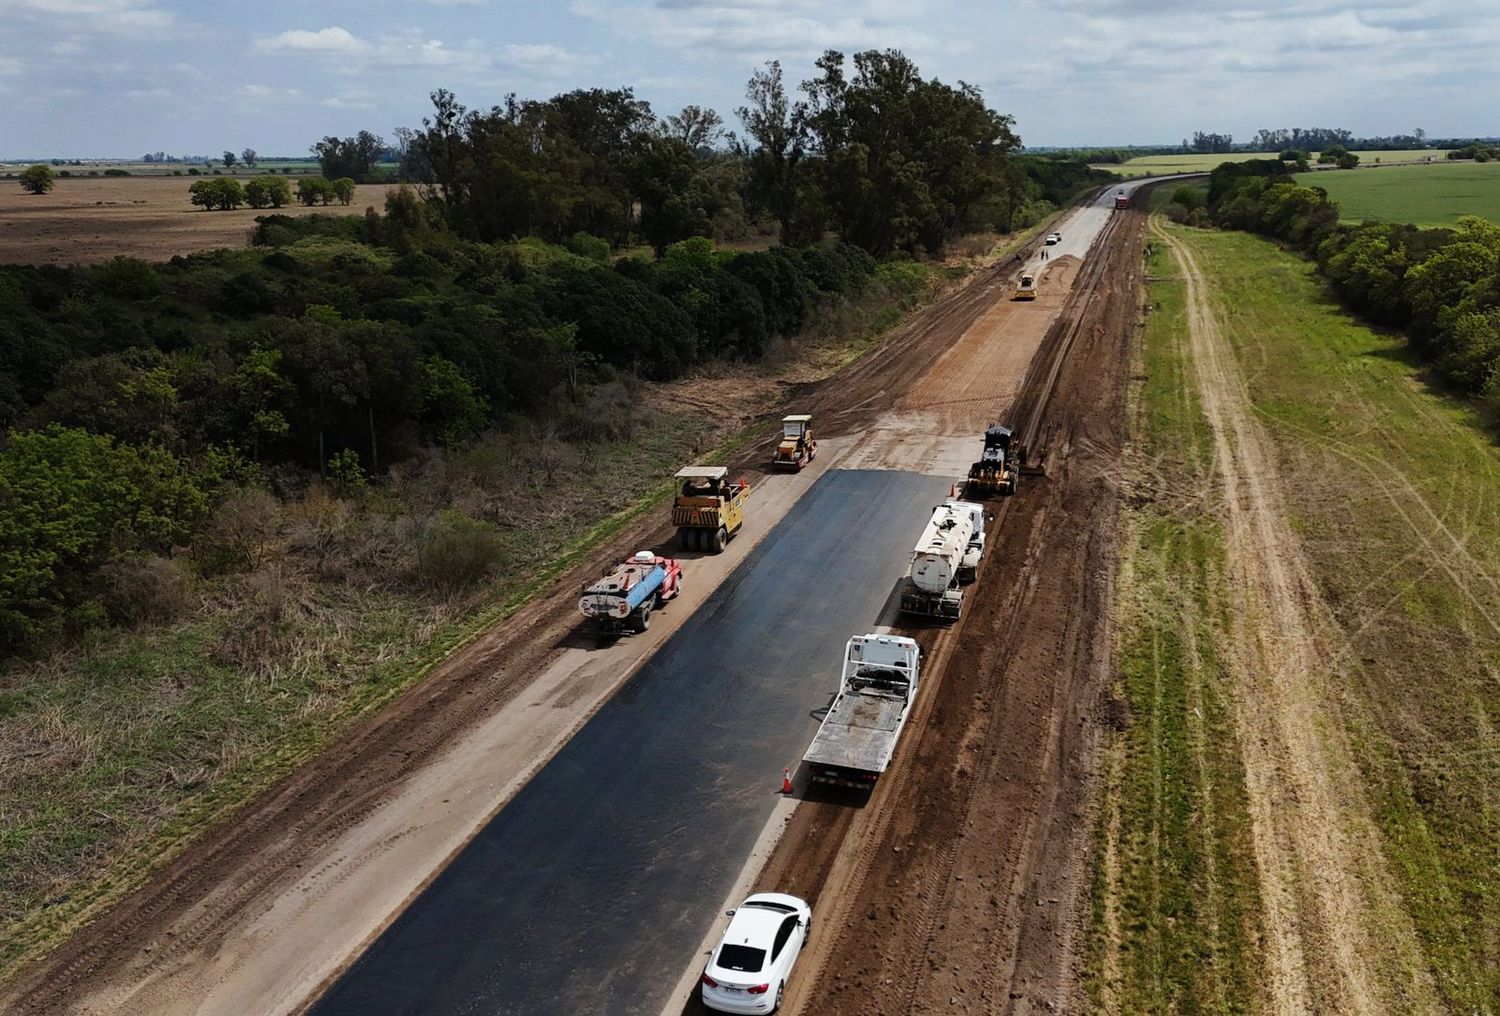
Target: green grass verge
[
  {"x": 1176, "y": 915},
  {"x": 1434, "y": 195},
  {"x": 1392, "y": 487}
]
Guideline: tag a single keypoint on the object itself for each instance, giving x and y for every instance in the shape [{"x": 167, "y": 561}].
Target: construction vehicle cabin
[
  {"x": 996, "y": 471},
  {"x": 710, "y": 508},
  {"x": 797, "y": 446},
  {"x": 1026, "y": 288}
]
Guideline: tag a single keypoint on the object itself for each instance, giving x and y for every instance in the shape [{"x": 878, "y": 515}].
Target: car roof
[{"x": 754, "y": 926}]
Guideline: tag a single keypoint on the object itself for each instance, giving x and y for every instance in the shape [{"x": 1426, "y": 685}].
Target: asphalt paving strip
[{"x": 587, "y": 891}]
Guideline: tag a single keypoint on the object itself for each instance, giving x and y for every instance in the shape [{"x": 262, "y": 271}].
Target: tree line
[
  {"x": 1441, "y": 286},
  {"x": 136, "y": 395},
  {"x": 867, "y": 148},
  {"x": 493, "y": 294}
]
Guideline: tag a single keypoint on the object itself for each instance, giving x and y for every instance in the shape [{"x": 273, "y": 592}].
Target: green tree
[
  {"x": 342, "y": 189},
  {"x": 68, "y": 501},
  {"x": 345, "y": 473},
  {"x": 249, "y": 157},
  {"x": 229, "y": 159},
  {"x": 37, "y": 179},
  {"x": 904, "y": 159},
  {"x": 664, "y": 169},
  {"x": 223, "y": 193},
  {"x": 696, "y": 126},
  {"x": 261, "y": 392},
  {"x": 1348, "y": 160},
  {"x": 454, "y": 409},
  {"x": 313, "y": 190},
  {"x": 352, "y": 157},
  {"x": 268, "y": 192},
  {"x": 257, "y": 194},
  {"x": 778, "y": 167}
]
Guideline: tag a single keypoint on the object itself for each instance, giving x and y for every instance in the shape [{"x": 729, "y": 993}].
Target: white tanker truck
[{"x": 945, "y": 557}]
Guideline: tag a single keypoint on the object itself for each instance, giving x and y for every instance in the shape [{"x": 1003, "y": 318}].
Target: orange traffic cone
[
  {"x": 786, "y": 781},
  {"x": 953, "y": 489}
]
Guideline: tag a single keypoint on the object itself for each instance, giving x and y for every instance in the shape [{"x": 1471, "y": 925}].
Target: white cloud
[
  {"x": 325, "y": 40},
  {"x": 544, "y": 57},
  {"x": 113, "y": 17},
  {"x": 257, "y": 91},
  {"x": 360, "y": 102},
  {"x": 155, "y": 94},
  {"x": 9, "y": 65},
  {"x": 411, "y": 49},
  {"x": 750, "y": 31}
]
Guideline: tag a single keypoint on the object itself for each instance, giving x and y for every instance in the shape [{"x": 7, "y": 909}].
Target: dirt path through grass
[{"x": 1338, "y": 938}]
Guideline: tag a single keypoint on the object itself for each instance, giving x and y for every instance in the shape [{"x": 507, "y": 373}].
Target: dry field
[{"x": 94, "y": 219}]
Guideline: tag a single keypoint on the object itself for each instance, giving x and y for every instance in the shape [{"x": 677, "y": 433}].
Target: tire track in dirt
[
  {"x": 1340, "y": 940},
  {"x": 966, "y": 889}
]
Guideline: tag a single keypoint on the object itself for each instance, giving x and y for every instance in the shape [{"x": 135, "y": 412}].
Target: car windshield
[
  {"x": 742, "y": 958},
  {"x": 768, "y": 905}
]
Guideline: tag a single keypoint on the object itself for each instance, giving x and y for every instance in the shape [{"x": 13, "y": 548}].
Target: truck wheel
[
  {"x": 719, "y": 540},
  {"x": 643, "y": 622},
  {"x": 684, "y": 539}
]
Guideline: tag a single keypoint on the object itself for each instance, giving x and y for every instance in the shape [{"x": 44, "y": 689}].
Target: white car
[
  {"x": 750, "y": 966},
  {"x": 1053, "y": 238}
]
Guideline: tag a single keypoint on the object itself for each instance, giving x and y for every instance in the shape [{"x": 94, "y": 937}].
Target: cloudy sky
[{"x": 84, "y": 78}]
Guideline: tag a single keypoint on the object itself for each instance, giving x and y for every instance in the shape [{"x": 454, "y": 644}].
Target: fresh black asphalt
[{"x": 590, "y": 891}]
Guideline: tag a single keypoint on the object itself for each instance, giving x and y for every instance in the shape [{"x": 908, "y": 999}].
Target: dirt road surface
[
  {"x": 91, "y": 220},
  {"x": 962, "y": 885},
  {"x": 272, "y": 905},
  {"x": 1340, "y": 939}
]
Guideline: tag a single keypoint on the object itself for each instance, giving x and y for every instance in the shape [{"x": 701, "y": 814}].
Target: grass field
[
  {"x": 1390, "y": 488},
  {"x": 1176, "y": 892},
  {"x": 1161, "y": 165},
  {"x": 1434, "y": 195}
]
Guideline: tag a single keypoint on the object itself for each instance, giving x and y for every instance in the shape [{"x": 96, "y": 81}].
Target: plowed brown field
[{"x": 94, "y": 219}]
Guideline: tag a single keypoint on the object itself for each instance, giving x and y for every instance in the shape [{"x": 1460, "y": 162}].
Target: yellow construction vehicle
[
  {"x": 710, "y": 507},
  {"x": 797, "y": 446},
  {"x": 1026, "y": 290}
]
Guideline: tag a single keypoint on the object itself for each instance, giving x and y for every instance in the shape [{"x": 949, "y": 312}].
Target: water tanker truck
[
  {"x": 623, "y": 599},
  {"x": 946, "y": 556},
  {"x": 1122, "y": 201}
]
